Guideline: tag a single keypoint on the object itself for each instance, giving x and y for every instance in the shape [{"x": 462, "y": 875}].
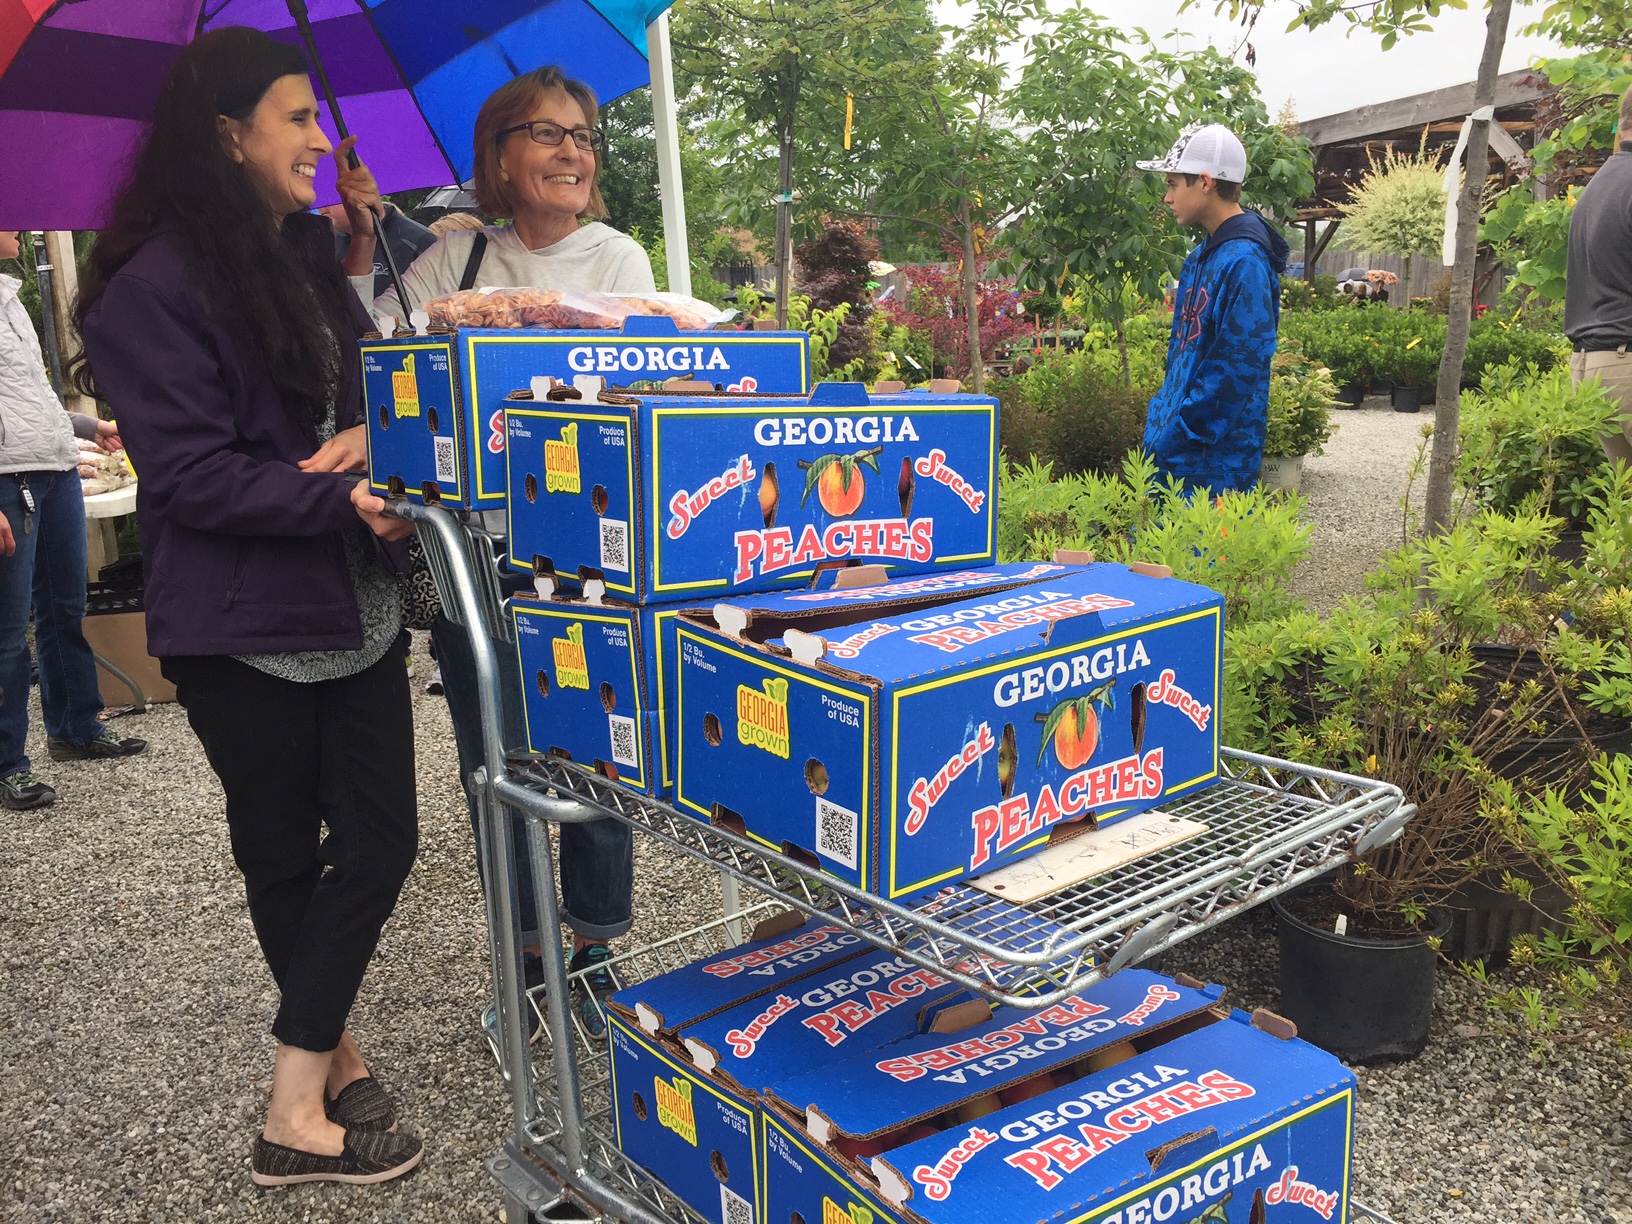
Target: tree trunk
[
  {"x": 1122, "y": 347},
  {"x": 1442, "y": 463},
  {"x": 59, "y": 247},
  {"x": 784, "y": 222},
  {"x": 971, "y": 297},
  {"x": 1309, "y": 251}
]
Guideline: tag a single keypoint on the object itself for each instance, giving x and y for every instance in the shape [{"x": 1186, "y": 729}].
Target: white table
[{"x": 101, "y": 547}]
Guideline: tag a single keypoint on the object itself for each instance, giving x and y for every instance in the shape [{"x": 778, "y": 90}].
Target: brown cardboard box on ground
[{"x": 121, "y": 638}]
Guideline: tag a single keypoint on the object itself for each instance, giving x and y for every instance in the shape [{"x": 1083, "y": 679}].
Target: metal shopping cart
[{"x": 1271, "y": 825}]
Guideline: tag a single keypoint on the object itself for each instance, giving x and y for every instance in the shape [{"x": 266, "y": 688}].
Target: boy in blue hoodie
[{"x": 1206, "y": 425}]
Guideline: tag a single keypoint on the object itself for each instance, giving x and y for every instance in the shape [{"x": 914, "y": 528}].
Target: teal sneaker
[
  {"x": 21, "y": 791},
  {"x": 591, "y": 989}
]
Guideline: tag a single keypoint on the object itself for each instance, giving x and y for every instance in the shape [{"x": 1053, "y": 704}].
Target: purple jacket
[{"x": 241, "y": 550}]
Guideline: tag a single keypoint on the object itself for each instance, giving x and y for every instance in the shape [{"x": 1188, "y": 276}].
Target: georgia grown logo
[
  {"x": 561, "y": 462},
  {"x": 571, "y": 667},
  {"x": 405, "y": 389},
  {"x": 674, "y": 1108},
  {"x": 762, "y": 717}
]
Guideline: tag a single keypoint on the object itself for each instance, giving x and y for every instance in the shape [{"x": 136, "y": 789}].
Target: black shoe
[
  {"x": 368, "y": 1157},
  {"x": 591, "y": 990},
  {"x": 362, "y": 1105},
  {"x": 22, "y": 790},
  {"x": 103, "y": 747}
]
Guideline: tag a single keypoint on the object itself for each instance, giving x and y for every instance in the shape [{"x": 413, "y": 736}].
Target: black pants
[
  {"x": 293, "y": 758},
  {"x": 597, "y": 857}
]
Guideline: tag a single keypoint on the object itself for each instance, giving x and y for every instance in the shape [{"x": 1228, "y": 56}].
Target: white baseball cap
[{"x": 1204, "y": 148}]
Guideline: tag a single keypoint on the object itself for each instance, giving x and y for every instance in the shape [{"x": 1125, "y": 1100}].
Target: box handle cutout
[
  {"x": 1201, "y": 1140},
  {"x": 394, "y": 487},
  {"x": 1267, "y": 1021},
  {"x": 639, "y": 1102},
  {"x": 711, "y": 730},
  {"x": 385, "y": 418},
  {"x": 778, "y": 924},
  {"x": 960, "y": 1016},
  {"x": 594, "y": 592},
  {"x": 801, "y": 856},
  {"x": 1008, "y": 761},
  {"x": 530, "y": 487},
  {"x": 609, "y": 699},
  {"x": 606, "y": 769},
  {"x": 889, "y": 386},
  {"x": 543, "y": 683},
  {"x": 722, "y": 817},
  {"x": 770, "y": 494},
  {"x": 945, "y": 386},
  {"x": 430, "y": 419},
  {"x": 431, "y": 493},
  {"x": 598, "y": 499},
  {"x": 716, "y": 1162},
  {"x": 543, "y": 384},
  {"x": 1073, "y": 556},
  {"x": 816, "y": 776},
  {"x": 904, "y": 487}
]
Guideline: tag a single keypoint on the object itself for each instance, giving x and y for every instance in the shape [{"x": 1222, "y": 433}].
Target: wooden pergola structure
[{"x": 1346, "y": 143}]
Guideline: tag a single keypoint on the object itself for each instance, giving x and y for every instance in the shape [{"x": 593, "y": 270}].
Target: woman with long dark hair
[{"x": 220, "y": 327}]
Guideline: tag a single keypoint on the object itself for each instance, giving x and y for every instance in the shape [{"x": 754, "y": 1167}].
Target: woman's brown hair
[{"x": 512, "y": 103}]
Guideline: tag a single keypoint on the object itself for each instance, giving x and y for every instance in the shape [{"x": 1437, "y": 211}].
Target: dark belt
[{"x": 1604, "y": 348}]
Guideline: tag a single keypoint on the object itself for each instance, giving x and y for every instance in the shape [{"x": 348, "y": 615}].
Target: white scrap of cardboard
[{"x": 1087, "y": 855}]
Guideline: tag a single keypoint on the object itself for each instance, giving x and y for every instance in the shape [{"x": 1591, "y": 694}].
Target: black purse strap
[{"x": 473, "y": 265}]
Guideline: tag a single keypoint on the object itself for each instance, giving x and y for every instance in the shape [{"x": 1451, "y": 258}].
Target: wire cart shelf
[{"x": 1271, "y": 825}]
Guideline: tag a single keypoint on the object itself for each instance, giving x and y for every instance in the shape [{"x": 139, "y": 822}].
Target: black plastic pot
[
  {"x": 1364, "y": 1000},
  {"x": 1349, "y": 395},
  {"x": 1545, "y": 759},
  {"x": 1407, "y": 399},
  {"x": 1486, "y": 918},
  {"x": 1571, "y": 546}
]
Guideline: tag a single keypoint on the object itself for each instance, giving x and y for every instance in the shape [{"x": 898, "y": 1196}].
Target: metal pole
[
  {"x": 665, "y": 120},
  {"x": 303, "y": 22},
  {"x": 48, "y": 310}
]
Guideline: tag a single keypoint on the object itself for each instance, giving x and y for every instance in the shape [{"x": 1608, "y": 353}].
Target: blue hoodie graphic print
[{"x": 1206, "y": 425}]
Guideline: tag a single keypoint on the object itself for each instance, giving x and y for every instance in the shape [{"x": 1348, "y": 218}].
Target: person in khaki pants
[{"x": 1598, "y": 287}]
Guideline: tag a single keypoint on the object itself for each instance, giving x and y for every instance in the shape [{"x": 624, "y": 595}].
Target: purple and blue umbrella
[{"x": 78, "y": 79}]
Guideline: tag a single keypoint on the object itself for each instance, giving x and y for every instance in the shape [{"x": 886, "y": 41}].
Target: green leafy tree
[
  {"x": 777, "y": 74},
  {"x": 1094, "y": 215},
  {"x": 1398, "y": 206}
]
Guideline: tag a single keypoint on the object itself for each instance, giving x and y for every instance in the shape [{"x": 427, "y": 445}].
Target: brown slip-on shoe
[
  {"x": 362, "y": 1105},
  {"x": 368, "y": 1157}
]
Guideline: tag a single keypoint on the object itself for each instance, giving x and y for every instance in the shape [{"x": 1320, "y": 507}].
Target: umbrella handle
[{"x": 303, "y": 23}]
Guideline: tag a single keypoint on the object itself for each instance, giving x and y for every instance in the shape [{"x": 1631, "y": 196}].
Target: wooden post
[
  {"x": 1309, "y": 256},
  {"x": 59, "y": 248}
]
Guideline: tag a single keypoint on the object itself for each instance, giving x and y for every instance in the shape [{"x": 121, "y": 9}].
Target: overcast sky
[{"x": 1326, "y": 71}]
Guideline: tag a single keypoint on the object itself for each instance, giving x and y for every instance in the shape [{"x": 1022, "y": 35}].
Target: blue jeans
[
  {"x": 47, "y": 573},
  {"x": 597, "y": 857}
]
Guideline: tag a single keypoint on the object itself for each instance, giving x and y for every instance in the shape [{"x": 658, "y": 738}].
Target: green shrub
[
  {"x": 1243, "y": 545},
  {"x": 1087, "y": 419},
  {"x": 1021, "y": 428},
  {"x": 1527, "y": 435},
  {"x": 1301, "y": 392},
  {"x": 1319, "y": 294}
]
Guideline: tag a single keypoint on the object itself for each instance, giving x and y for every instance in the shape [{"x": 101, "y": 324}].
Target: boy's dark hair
[{"x": 1226, "y": 191}]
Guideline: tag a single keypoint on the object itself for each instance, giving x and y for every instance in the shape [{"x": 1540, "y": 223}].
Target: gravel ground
[
  {"x": 134, "y": 1007},
  {"x": 1353, "y": 493}
]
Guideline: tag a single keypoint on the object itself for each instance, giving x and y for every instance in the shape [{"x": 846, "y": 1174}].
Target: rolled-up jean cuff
[
  {"x": 305, "y": 1039},
  {"x": 590, "y": 930}
]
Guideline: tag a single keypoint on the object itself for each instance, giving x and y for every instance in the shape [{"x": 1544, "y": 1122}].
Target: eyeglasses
[{"x": 542, "y": 131}]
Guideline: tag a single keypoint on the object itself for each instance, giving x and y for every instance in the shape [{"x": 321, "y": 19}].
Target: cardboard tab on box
[
  {"x": 435, "y": 403},
  {"x": 937, "y": 744},
  {"x": 679, "y": 497}
]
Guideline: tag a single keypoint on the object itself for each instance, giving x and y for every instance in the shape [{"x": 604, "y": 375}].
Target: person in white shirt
[{"x": 538, "y": 154}]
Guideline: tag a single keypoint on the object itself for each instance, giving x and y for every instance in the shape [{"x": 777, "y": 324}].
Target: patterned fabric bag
[{"x": 420, "y": 602}]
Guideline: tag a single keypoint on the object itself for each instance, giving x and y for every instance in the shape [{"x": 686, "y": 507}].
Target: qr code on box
[
  {"x": 446, "y": 468},
  {"x": 625, "y": 747},
  {"x": 836, "y": 832},
  {"x": 614, "y": 545},
  {"x": 734, "y": 1209}
]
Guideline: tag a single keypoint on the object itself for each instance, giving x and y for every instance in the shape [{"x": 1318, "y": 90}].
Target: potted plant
[
  {"x": 1391, "y": 685},
  {"x": 1525, "y": 434},
  {"x": 1414, "y": 362},
  {"x": 1301, "y": 392}
]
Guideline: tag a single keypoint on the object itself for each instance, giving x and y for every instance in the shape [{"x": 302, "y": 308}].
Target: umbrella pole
[{"x": 303, "y": 23}]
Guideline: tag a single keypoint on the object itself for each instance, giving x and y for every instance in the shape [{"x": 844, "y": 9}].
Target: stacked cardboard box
[
  {"x": 630, "y": 508},
  {"x": 850, "y": 1087},
  {"x": 435, "y": 403}
]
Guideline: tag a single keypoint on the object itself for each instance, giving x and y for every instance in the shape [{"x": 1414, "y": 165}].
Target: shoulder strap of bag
[{"x": 473, "y": 265}]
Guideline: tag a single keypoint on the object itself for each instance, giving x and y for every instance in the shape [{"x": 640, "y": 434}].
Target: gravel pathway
[
  {"x": 133, "y": 1005},
  {"x": 1352, "y": 495}
]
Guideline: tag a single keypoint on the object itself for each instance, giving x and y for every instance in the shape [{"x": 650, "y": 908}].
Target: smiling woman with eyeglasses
[
  {"x": 538, "y": 154},
  {"x": 537, "y": 157}
]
